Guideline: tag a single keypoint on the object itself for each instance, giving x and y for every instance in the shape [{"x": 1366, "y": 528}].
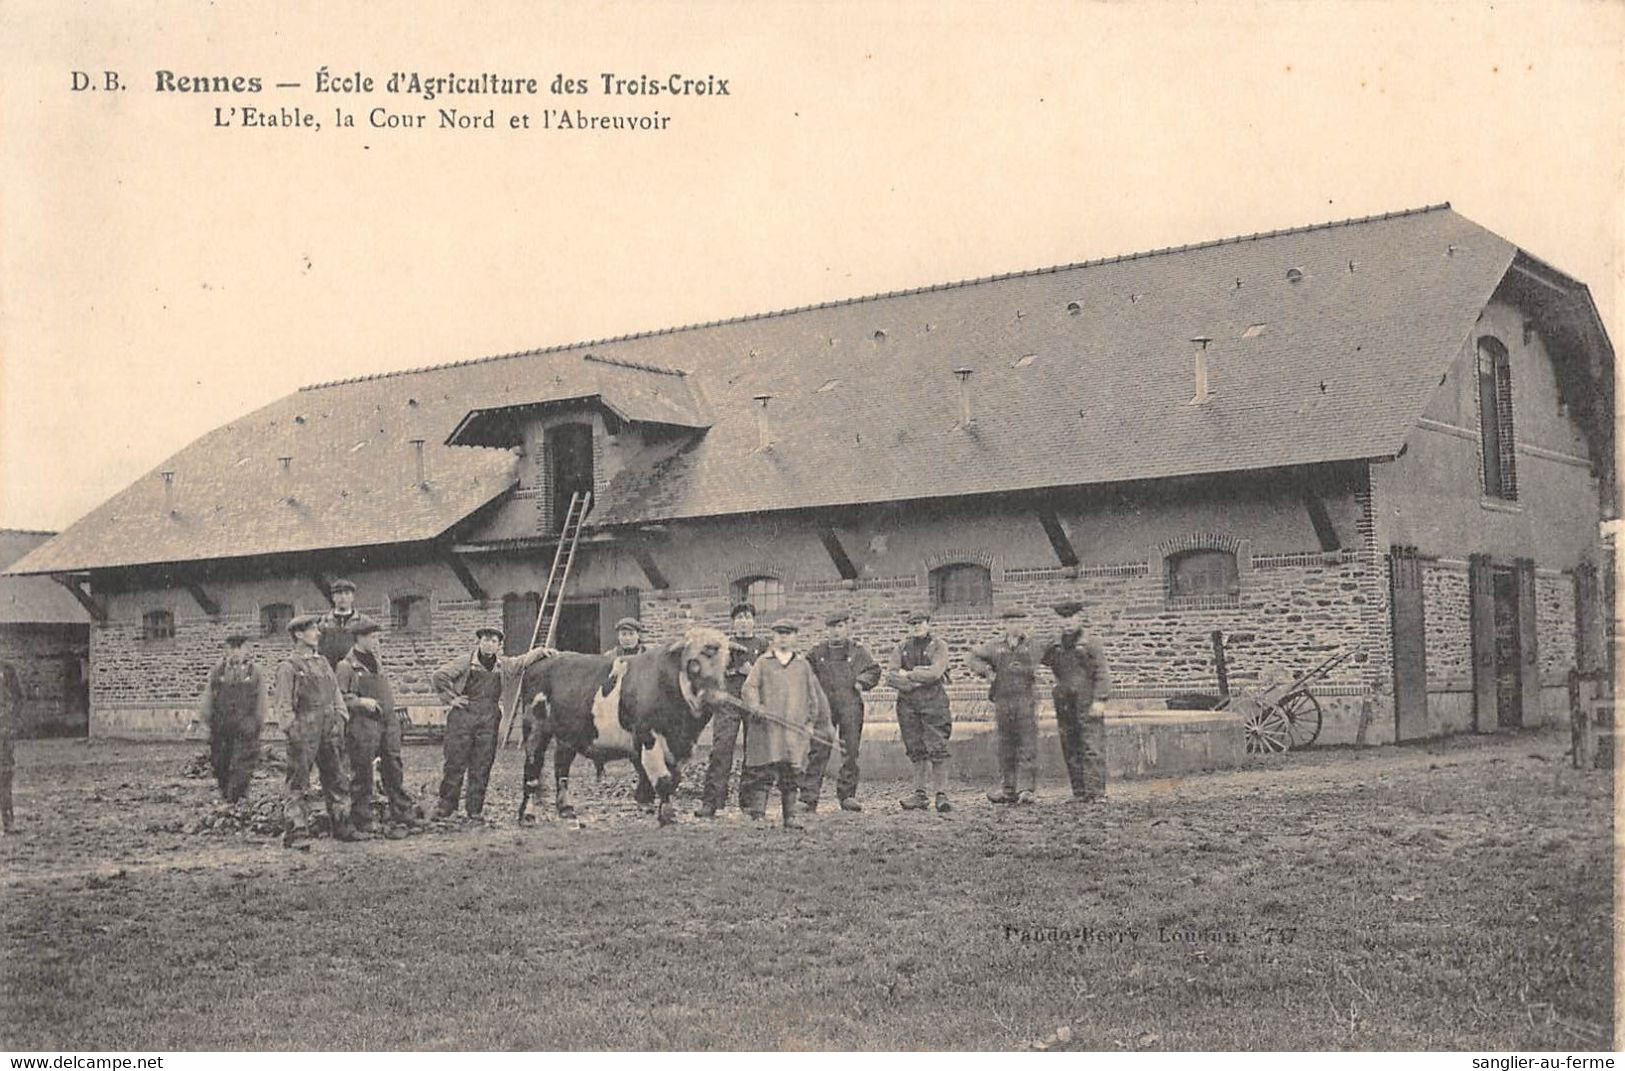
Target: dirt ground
[{"x": 1457, "y": 895}]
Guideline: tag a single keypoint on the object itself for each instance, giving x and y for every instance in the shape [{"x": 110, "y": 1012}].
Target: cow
[{"x": 648, "y": 708}]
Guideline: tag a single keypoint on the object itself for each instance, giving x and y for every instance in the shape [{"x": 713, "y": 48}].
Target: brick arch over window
[
  {"x": 1202, "y": 568},
  {"x": 967, "y": 556},
  {"x": 1201, "y": 541},
  {"x": 961, "y": 587}
]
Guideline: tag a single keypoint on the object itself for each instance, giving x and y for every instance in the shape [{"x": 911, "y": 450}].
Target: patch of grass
[{"x": 1357, "y": 900}]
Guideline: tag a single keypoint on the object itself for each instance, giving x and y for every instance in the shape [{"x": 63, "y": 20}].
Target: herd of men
[{"x": 333, "y": 699}]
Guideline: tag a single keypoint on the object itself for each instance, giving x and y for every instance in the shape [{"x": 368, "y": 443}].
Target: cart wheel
[
  {"x": 1302, "y": 713},
  {"x": 1267, "y": 730}
]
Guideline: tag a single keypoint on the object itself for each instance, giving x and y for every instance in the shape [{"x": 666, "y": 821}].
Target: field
[{"x": 1456, "y": 896}]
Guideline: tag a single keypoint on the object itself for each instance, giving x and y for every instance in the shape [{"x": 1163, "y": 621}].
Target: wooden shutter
[
  {"x": 1481, "y": 589},
  {"x": 1528, "y": 642},
  {"x": 1409, "y": 644}
]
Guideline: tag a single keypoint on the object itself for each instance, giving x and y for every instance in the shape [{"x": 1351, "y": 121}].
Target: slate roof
[
  {"x": 1083, "y": 374},
  {"x": 33, "y": 600}
]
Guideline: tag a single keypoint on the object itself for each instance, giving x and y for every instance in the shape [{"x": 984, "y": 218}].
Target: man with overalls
[
  {"x": 233, "y": 710},
  {"x": 374, "y": 731},
  {"x": 918, "y": 667},
  {"x": 306, "y": 703},
  {"x": 1011, "y": 663},
  {"x": 845, "y": 670},
  {"x": 471, "y": 686},
  {"x": 745, "y": 648},
  {"x": 1081, "y": 686}
]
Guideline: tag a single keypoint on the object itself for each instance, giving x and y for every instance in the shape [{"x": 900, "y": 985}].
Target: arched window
[
  {"x": 274, "y": 618},
  {"x": 1203, "y": 573},
  {"x": 962, "y": 586},
  {"x": 409, "y": 613},
  {"x": 1495, "y": 420},
  {"x": 157, "y": 626},
  {"x": 766, "y": 593}
]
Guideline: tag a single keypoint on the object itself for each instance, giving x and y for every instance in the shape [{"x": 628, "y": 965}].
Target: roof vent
[
  {"x": 1202, "y": 392},
  {"x": 299, "y": 419},
  {"x": 764, "y": 423},
  {"x": 285, "y": 465},
  {"x": 1294, "y": 275},
  {"x": 1253, "y": 330},
  {"x": 1024, "y": 360},
  {"x": 879, "y": 336},
  {"x": 169, "y": 492},
  {"x": 829, "y": 385},
  {"x": 1073, "y": 308},
  {"x": 967, "y": 418},
  {"x": 422, "y": 464}
]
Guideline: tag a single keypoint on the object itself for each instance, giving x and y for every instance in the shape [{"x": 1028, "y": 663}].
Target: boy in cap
[
  {"x": 374, "y": 732},
  {"x": 1010, "y": 662},
  {"x": 845, "y": 671},
  {"x": 233, "y": 709},
  {"x": 783, "y": 684},
  {"x": 1081, "y": 686},
  {"x": 628, "y": 639},
  {"x": 306, "y": 702},
  {"x": 918, "y": 666},
  {"x": 745, "y": 648},
  {"x": 339, "y": 623},
  {"x": 472, "y": 686}
]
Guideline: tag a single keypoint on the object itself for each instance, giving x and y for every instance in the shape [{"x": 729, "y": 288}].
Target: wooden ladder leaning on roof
[{"x": 558, "y": 578}]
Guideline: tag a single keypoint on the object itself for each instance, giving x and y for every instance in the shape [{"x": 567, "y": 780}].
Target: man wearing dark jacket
[
  {"x": 1081, "y": 686},
  {"x": 628, "y": 639},
  {"x": 747, "y": 647},
  {"x": 374, "y": 732},
  {"x": 1011, "y": 663},
  {"x": 919, "y": 668},
  {"x": 472, "y": 686},
  {"x": 845, "y": 671},
  {"x": 339, "y": 623}
]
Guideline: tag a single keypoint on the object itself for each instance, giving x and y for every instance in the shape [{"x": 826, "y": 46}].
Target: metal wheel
[
  {"x": 1302, "y": 713},
  {"x": 1267, "y": 730}
]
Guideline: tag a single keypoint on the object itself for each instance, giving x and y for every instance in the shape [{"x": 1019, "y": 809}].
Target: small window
[
  {"x": 409, "y": 613},
  {"x": 157, "y": 626},
  {"x": 766, "y": 593},
  {"x": 1203, "y": 574},
  {"x": 963, "y": 587},
  {"x": 274, "y": 618},
  {"x": 1495, "y": 421}
]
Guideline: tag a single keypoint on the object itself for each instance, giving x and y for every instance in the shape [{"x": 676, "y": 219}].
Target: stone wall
[{"x": 40, "y": 654}]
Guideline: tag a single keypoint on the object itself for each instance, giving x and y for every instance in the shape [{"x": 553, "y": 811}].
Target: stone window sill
[
  {"x": 1202, "y": 602},
  {"x": 1499, "y": 505}
]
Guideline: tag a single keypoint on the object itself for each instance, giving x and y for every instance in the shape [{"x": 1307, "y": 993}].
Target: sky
[{"x": 161, "y": 275}]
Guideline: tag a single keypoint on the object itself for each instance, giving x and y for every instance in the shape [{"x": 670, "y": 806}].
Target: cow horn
[{"x": 676, "y": 646}]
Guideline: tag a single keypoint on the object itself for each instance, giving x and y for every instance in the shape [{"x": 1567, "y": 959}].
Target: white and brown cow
[{"x": 648, "y": 708}]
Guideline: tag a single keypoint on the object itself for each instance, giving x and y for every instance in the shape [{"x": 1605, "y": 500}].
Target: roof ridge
[
  {"x": 930, "y": 288},
  {"x": 641, "y": 366}
]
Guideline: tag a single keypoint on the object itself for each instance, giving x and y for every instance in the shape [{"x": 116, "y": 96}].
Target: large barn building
[
  {"x": 45, "y": 638},
  {"x": 1388, "y": 436}
]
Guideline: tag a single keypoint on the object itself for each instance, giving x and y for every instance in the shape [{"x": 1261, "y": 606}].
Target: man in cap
[
  {"x": 1082, "y": 683},
  {"x": 472, "y": 686},
  {"x": 845, "y": 671},
  {"x": 919, "y": 666},
  {"x": 374, "y": 731},
  {"x": 783, "y": 684},
  {"x": 305, "y": 701},
  {"x": 339, "y": 623},
  {"x": 1011, "y": 663},
  {"x": 628, "y": 639},
  {"x": 745, "y": 648},
  {"x": 233, "y": 709}
]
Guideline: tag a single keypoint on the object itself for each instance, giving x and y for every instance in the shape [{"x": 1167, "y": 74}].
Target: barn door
[
  {"x": 614, "y": 605},
  {"x": 1409, "y": 644},
  {"x": 519, "y": 621},
  {"x": 1528, "y": 644},
  {"x": 1507, "y": 646},
  {"x": 1481, "y": 612},
  {"x": 1587, "y": 643}
]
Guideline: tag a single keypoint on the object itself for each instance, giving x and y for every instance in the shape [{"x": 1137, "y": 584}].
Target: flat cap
[
  {"x": 490, "y": 630},
  {"x": 341, "y": 585},
  {"x": 785, "y": 625},
  {"x": 1015, "y": 613},
  {"x": 365, "y": 628},
  {"x": 838, "y": 616},
  {"x": 918, "y": 616},
  {"x": 629, "y": 622},
  {"x": 302, "y": 622},
  {"x": 237, "y": 639},
  {"x": 1068, "y": 607},
  {"x": 742, "y": 608}
]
